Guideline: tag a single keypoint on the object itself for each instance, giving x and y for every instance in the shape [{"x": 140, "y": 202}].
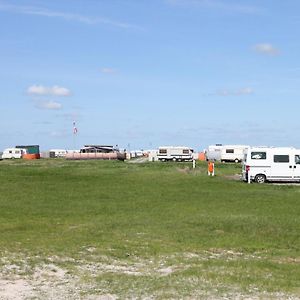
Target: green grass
[{"x": 242, "y": 236}]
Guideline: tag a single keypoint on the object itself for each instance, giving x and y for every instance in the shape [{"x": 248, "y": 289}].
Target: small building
[
  {"x": 98, "y": 149},
  {"x": 97, "y": 152}
]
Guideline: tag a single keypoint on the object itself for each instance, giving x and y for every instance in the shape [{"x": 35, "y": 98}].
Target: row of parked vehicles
[
  {"x": 259, "y": 164},
  {"x": 225, "y": 153},
  {"x": 16, "y": 153}
]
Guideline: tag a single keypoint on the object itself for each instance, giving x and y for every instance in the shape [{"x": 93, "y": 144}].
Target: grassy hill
[{"x": 159, "y": 230}]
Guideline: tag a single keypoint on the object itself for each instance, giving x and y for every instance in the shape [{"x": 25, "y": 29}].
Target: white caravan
[
  {"x": 58, "y": 153},
  {"x": 232, "y": 153},
  {"x": 152, "y": 155},
  {"x": 213, "y": 152},
  {"x": 261, "y": 164},
  {"x": 175, "y": 153},
  {"x": 11, "y": 153}
]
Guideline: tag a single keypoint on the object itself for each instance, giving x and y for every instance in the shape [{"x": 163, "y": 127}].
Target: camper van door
[
  {"x": 282, "y": 166},
  {"x": 296, "y": 167}
]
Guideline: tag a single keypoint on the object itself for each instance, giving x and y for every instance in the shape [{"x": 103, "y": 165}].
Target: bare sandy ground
[{"x": 21, "y": 279}]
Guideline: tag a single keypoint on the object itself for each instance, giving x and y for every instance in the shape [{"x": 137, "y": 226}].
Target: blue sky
[{"x": 143, "y": 73}]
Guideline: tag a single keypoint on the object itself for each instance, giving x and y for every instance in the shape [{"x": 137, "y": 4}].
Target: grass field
[{"x": 118, "y": 230}]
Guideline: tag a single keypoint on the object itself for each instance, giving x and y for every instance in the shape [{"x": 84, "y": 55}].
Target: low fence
[{"x": 103, "y": 156}]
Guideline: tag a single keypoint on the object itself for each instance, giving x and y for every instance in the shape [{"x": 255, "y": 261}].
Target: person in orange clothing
[{"x": 211, "y": 168}]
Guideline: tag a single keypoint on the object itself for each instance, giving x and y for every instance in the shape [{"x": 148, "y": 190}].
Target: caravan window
[
  {"x": 162, "y": 151},
  {"x": 297, "y": 159},
  {"x": 185, "y": 151},
  {"x": 281, "y": 158},
  {"x": 258, "y": 155},
  {"x": 229, "y": 150}
]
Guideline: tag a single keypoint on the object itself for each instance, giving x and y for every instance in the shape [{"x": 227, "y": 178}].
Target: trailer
[
  {"x": 56, "y": 153},
  {"x": 232, "y": 153},
  {"x": 262, "y": 164},
  {"x": 171, "y": 153},
  {"x": 12, "y": 153},
  {"x": 213, "y": 152}
]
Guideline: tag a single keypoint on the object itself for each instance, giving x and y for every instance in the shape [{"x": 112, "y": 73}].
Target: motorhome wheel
[{"x": 260, "y": 178}]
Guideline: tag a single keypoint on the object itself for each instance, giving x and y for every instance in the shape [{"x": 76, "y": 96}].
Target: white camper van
[
  {"x": 175, "y": 153},
  {"x": 261, "y": 164},
  {"x": 232, "y": 153},
  {"x": 11, "y": 153}
]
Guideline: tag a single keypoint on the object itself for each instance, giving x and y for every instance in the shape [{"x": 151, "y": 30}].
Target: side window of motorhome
[
  {"x": 297, "y": 159},
  {"x": 229, "y": 150},
  {"x": 258, "y": 155},
  {"x": 162, "y": 151},
  {"x": 281, "y": 158},
  {"x": 185, "y": 151}
]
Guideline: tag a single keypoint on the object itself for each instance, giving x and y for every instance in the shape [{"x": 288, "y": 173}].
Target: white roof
[
  {"x": 275, "y": 148},
  {"x": 10, "y": 149},
  {"x": 236, "y": 146},
  {"x": 180, "y": 147}
]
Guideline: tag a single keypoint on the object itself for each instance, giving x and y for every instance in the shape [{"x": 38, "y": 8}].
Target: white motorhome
[
  {"x": 11, "y": 153},
  {"x": 179, "y": 153},
  {"x": 261, "y": 164},
  {"x": 232, "y": 153},
  {"x": 213, "y": 152}
]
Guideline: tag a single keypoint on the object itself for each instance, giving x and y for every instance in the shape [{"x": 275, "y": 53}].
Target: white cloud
[
  {"x": 32, "y": 10},
  {"x": 266, "y": 48},
  {"x": 108, "y": 70},
  {"x": 48, "y": 105},
  {"x": 217, "y": 5},
  {"x": 59, "y": 134},
  {"x": 239, "y": 92},
  {"x": 245, "y": 91},
  {"x": 60, "y": 91},
  {"x": 41, "y": 90}
]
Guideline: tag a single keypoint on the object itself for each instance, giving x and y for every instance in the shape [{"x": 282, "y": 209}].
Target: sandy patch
[
  {"x": 15, "y": 289},
  {"x": 85, "y": 279}
]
